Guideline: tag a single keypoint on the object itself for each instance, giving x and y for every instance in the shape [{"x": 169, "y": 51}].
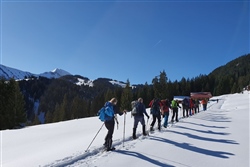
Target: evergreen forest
[{"x": 41, "y": 100}]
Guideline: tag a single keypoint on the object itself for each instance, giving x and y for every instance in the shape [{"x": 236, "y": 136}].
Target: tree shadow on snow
[
  {"x": 202, "y": 131},
  {"x": 143, "y": 157},
  {"x": 224, "y": 141},
  {"x": 207, "y": 126},
  {"x": 187, "y": 146}
]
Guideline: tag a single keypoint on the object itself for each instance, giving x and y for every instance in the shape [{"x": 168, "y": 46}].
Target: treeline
[
  {"x": 12, "y": 110},
  {"x": 232, "y": 77},
  {"x": 61, "y": 99}
]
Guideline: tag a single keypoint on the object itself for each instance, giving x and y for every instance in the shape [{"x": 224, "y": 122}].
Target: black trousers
[
  {"x": 158, "y": 117},
  {"x": 196, "y": 109},
  {"x": 110, "y": 125},
  {"x": 175, "y": 114},
  {"x": 185, "y": 109}
]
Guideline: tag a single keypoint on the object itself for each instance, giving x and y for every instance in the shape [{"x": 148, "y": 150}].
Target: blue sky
[{"x": 123, "y": 40}]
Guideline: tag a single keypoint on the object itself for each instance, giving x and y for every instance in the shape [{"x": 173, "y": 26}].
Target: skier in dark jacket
[
  {"x": 197, "y": 106},
  {"x": 110, "y": 124},
  {"x": 139, "y": 117},
  {"x": 185, "y": 107},
  {"x": 155, "y": 105}
]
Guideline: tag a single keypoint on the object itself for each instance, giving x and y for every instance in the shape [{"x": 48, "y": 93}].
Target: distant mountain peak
[
  {"x": 56, "y": 73},
  {"x": 8, "y": 73},
  {"x": 55, "y": 70},
  {"x": 60, "y": 71}
]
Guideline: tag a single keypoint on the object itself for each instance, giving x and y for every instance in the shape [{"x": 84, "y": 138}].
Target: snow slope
[
  {"x": 216, "y": 137},
  {"x": 123, "y": 85},
  {"x": 8, "y": 73},
  {"x": 84, "y": 82}
]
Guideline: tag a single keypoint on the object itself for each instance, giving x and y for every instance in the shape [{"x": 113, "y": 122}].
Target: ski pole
[
  {"x": 116, "y": 120},
  {"x": 124, "y": 129},
  {"x": 94, "y": 138},
  {"x": 147, "y": 127},
  {"x": 149, "y": 123}
]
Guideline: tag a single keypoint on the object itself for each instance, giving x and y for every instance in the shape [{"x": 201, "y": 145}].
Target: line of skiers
[
  {"x": 158, "y": 109},
  {"x": 190, "y": 106}
]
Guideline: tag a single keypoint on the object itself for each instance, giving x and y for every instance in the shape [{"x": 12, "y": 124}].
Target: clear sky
[{"x": 123, "y": 40}]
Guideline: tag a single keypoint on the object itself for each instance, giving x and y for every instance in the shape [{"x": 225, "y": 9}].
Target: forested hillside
[
  {"x": 44, "y": 100},
  {"x": 231, "y": 77}
]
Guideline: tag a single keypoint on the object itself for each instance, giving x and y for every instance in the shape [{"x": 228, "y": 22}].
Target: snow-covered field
[{"x": 212, "y": 138}]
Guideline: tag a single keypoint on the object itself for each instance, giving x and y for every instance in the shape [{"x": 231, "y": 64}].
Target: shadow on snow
[
  {"x": 215, "y": 118},
  {"x": 187, "y": 146},
  {"x": 143, "y": 157},
  {"x": 224, "y": 141},
  {"x": 202, "y": 131},
  {"x": 207, "y": 126}
]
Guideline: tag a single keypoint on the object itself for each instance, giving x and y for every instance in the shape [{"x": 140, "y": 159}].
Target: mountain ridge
[
  {"x": 9, "y": 72},
  {"x": 78, "y": 96}
]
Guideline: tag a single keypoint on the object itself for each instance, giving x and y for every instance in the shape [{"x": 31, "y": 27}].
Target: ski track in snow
[
  {"x": 86, "y": 159},
  {"x": 216, "y": 137},
  {"x": 89, "y": 156}
]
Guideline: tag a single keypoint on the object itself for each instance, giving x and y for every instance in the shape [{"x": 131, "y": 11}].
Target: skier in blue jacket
[{"x": 110, "y": 124}]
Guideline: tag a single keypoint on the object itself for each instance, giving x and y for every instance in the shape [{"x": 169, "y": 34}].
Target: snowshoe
[
  {"x": 134, "y": 137},
  {"x": 111, "y": 149},
  {"x": 151, "y": 129}
]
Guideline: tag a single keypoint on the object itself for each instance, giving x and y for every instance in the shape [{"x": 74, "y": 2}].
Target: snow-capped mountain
[
  {"x": 56, "y": 73},
  {"x": 8, "y": 73}
]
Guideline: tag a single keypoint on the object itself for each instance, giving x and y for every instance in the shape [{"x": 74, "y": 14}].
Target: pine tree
[
  {"x": 234, "y": 88},
  {"x": 149, "y": 94},
  {"x": 141, "y": 93},
  {"x": 163, "y": 85},
  {"x": 126, "y": 97},
  {"x": 56, "y": 114},
  {"x": 96, "y": 104},
  {"x": 109, "y": 94},
  {"x": 78, "y": 108},
  {"x": 49, "y": 117},
  {"x": 12, "y": 103},
  {"x": 156, "y": 87},
  {"x": 36, "y": 121},
  {"x": 64, "y": 112},
  {"x": 3, "y": 96},
  {"x": 160, "y": 85}
]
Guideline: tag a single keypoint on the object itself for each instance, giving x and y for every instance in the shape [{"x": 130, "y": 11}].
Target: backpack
[
  {"x": 174, "y": 104},
  {"x": 135, "y": 108},
  {"x": 186, "y": 102},
  {"x": 106, "y": 113},
  {"x": 165, "y": 106},
  {"x": 155, "y": 108}
]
